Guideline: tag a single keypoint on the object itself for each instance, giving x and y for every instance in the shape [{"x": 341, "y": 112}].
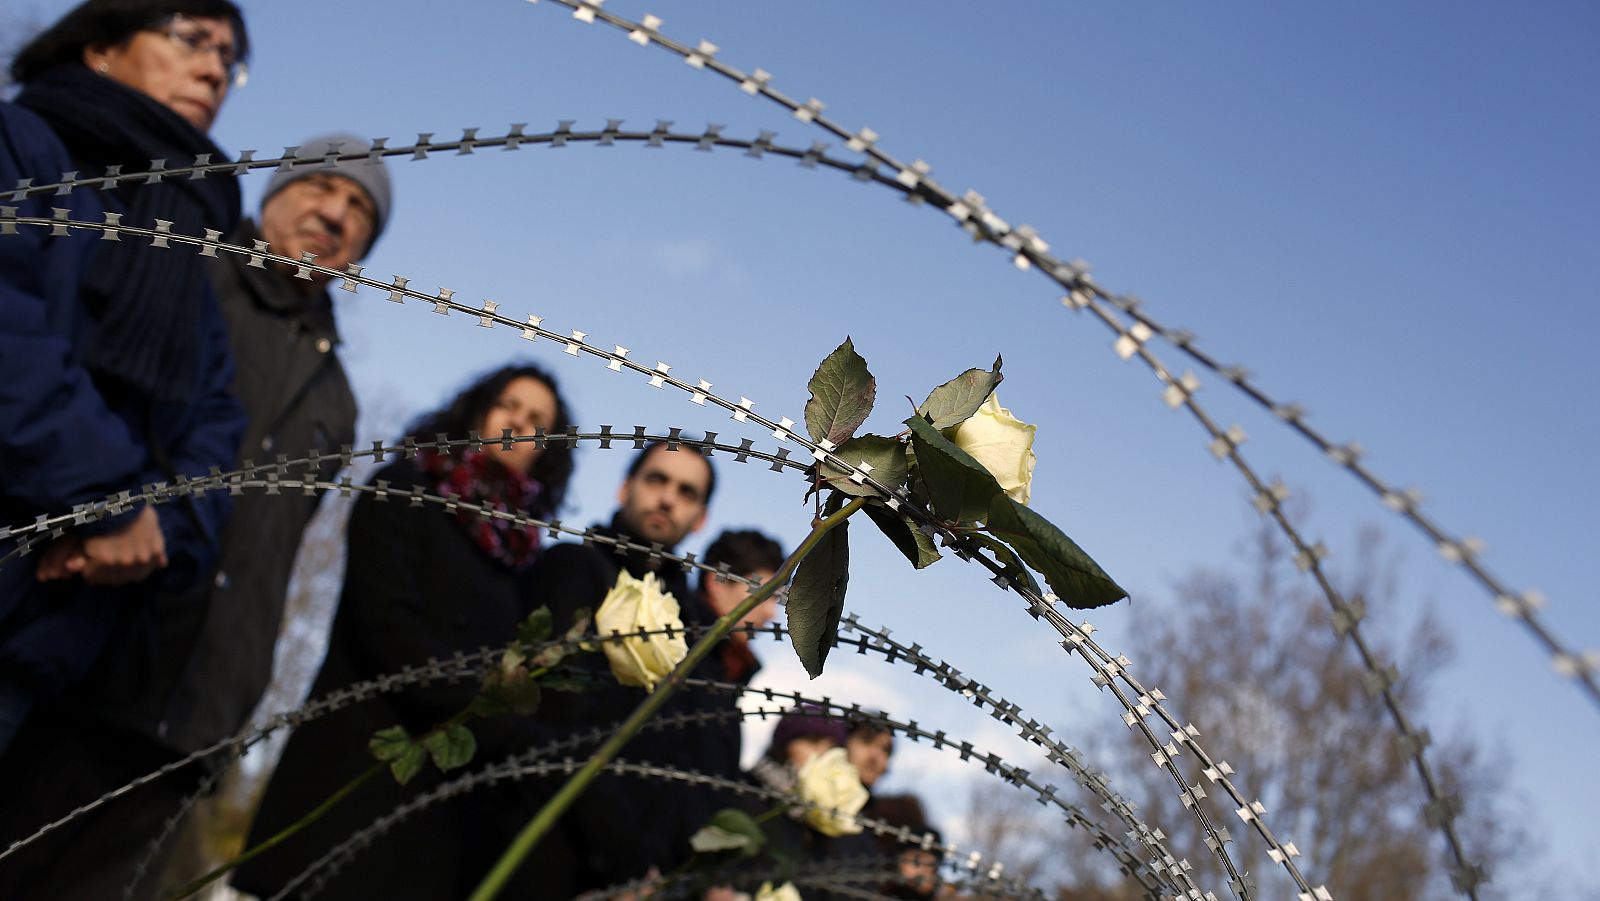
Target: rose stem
[
  {"x": 316, "y": 813},
  {"x": 558, "y": 804}
]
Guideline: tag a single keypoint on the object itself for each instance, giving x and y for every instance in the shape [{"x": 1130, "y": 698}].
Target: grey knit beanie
[{"x": 372, "y": 176}]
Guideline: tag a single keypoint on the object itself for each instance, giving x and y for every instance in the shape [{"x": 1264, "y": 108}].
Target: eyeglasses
[{"x": 197, "y": 40}]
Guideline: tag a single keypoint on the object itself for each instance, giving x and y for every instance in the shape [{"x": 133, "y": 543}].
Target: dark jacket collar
[
  {"x": 271, "y": 289},
  {"x": 672, "y": 576},
  {"x": 637, "y": 563}
]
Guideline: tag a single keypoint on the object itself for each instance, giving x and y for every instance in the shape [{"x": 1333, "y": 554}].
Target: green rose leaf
[
  {"x": 816, "y": 598},
  {"x": 905, "y": 533},
  {"x": 486, "y": 705},
  {"x": 958, "y": 486},
  {"x": 842, "y": 392},
  {"x": 1008, "y": 559},
  {"x": 886, "y": 456},
  {"x": 517, "y": 692},
  {"x": 408, "y": 764},
  {"x": 729, "y": 830},
  {"x": 390, "y": 743},
  {"x": 569, "y": 643},
  {"x": 953, "y": 402},
  {"x": 451, "y": 748},
  {"x": 568, "y": 684},
  {"x": 512, "y": 659},
  {"x": 537, "y": 627},
  {"x": 1071, "y": 573}
]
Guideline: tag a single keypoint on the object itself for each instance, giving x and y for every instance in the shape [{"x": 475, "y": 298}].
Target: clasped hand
[{"x": 129, "y": 554}]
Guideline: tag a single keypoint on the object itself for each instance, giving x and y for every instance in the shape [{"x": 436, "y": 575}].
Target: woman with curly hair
[{"x": 423, "y": 581}]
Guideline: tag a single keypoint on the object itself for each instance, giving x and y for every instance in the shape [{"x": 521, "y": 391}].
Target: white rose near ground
[
  {"x": 830, "y": 781},
  {"x": 1003, "y": 444},
  {"x": 785, "y": 892},
  {"x": 633, "y": 605}
]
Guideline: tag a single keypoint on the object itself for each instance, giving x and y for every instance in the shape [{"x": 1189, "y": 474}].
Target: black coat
[
  {"x": 570, "y": 577},
  {"x": 791, "y": 845},
  {"x": 210, "y": 658},
  {"x": 416, "y": 587}
]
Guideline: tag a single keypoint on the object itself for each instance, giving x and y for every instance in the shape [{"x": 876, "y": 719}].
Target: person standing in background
[
  {"x": 422, "y": 581},
  {"x": 200, "y": 681},
  {"x": 211, "y": 660}
]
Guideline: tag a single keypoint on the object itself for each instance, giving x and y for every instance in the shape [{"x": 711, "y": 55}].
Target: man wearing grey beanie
[
  {"x": 212, "y": 658},
  {"x": 294, "y": 390}
]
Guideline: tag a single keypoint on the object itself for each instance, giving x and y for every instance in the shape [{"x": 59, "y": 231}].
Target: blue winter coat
[{"x": 66, "y": 438}]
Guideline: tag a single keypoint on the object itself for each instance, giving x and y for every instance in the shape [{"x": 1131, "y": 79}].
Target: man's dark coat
[{"x": 568, "y": 578}]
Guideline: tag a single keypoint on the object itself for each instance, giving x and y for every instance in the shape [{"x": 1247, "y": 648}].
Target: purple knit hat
[{"x": 809, "y": 721}]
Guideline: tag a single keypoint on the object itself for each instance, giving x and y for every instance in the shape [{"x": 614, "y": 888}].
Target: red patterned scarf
[{"x": 477, "y": 477}]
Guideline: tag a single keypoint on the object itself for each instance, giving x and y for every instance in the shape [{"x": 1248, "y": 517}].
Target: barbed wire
[
  {"x": 1380, "y": 679},
  {"x": 517, "y": 767},
  {"x": 1083, "y": 293},
  {"x": 1130, "y": 341},
  {"x": 1215, "y": 839},
  {"x": 281, "y": 474},
  {"x": 639, "y": 437},
  {"x": 848, "y": 870},
  {"x": 1164, "y": 865},
  {"x": 700, "y": 393},
  {"x": 1031, "y": 251},
  {"x": 424, "y": 148},
  {"x": 473, "y": 665}
]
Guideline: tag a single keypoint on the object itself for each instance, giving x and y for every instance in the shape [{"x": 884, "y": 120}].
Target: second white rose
[
  {"x": 831, "y": 783},
  {"x": 1003, "y": 444},
  {"x": 785, "y": 892},
  {"x": 634, "y": 605}
]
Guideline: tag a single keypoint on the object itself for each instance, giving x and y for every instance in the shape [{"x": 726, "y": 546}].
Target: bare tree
[
  {"x": 1010, "y": 826},
  {"x": 1287, "y": 703},
  {"x": 1253, "y": 660}
]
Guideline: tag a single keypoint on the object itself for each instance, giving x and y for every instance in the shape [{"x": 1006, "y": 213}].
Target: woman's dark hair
[
  {"x": 903, "y": 811},
  {"x": 744, "y": 550},
  {"x": 96, "y": 23},
  {"x": 465, "y": 414},
  {"x": 866, "y": 730}
]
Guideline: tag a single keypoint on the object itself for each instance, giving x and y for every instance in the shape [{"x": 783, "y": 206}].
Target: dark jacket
[
  {"x": 416, "y": 587},
  {"x": 570, "y": 577},
  {"x": 202, "y": 677},
  {"x": 69, "y": 437},
  {"x": 793, "y": 847}
]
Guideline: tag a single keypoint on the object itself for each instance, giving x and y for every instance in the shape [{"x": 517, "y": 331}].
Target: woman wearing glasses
[{"x": 113, "y": 375}]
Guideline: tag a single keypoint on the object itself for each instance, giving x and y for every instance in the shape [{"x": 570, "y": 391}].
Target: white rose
[
  {"x": 785, "y": 892},
  {"x": 831, "y": 783},
  {"x": 1003, "y": 444},
  {"x": 633, "y": 605}
]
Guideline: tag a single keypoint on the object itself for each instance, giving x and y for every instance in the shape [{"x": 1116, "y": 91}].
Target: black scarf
[{"x": 147, "y": 302}]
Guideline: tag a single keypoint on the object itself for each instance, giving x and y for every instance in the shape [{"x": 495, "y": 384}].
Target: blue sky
[{"x": 1383, "y": 211}]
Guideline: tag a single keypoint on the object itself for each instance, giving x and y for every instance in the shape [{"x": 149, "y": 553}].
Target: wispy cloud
[{"x": 694, "y": 256}]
